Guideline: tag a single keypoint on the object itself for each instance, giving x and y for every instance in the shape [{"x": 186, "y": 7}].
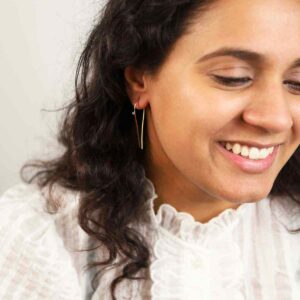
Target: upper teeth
[{"x": 251, "y": 152}]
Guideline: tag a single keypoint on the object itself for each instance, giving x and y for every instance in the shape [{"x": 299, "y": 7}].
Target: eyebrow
[{"x": 243, "y": 54}]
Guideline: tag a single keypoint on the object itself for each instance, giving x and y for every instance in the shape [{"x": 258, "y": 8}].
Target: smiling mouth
[
  {"x": 246, "y": 151},
  {"x": 253, "y": 164}
]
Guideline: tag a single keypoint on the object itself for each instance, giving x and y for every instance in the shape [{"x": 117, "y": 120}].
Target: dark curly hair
[{"x": 101, "y": 158}]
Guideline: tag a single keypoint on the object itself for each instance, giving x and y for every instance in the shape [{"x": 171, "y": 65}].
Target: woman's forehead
[{"x": 262, "y": 32}]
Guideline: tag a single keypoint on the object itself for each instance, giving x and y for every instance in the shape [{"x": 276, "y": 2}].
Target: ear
[{"x": 136, "y": 86}]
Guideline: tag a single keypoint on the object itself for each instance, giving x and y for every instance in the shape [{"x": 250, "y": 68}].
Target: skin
[{"x": 188, "y": 111}]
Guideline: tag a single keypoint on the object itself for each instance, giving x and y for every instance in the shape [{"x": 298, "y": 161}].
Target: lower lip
[{"x": 250, "y": 165}]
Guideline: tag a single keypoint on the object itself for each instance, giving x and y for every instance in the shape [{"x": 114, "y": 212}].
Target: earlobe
[{"x": 140, "y": 102}]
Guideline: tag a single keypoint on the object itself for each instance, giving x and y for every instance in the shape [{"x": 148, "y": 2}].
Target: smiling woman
[{"x": 181, "y": 172}]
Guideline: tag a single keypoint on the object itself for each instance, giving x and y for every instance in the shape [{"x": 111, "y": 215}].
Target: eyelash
[
  {"x": 231, "y": 81},
  {"x": 236, "y": 81}
]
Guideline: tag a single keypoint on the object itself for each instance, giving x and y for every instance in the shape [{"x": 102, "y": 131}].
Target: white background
[{"x": 40, "y": 43}]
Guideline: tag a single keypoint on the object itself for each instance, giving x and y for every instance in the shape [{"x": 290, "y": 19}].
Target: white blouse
[{"x": 243, "y": 253}]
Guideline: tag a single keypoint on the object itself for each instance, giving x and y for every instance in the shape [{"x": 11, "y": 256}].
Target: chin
[{"x": 240, "y": 197}]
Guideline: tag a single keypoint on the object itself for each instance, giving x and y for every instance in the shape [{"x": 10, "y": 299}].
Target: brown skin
[{"x": 187, "y": 111}]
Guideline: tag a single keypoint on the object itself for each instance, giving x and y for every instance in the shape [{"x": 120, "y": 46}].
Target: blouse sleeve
[{"x": 34, "y": 264}]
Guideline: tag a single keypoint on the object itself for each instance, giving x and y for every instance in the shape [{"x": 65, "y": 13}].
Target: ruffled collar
[
  {"x": 193, "y": 260},
  {"x": 184, "y": 263},
  {"x": 182, "y": 225}
]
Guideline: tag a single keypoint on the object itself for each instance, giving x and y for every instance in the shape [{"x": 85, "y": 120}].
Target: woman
[{"x": 181, "y": 169}]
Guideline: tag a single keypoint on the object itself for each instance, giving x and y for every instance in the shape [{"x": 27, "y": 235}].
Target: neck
[{"x": 174, "y": 189}]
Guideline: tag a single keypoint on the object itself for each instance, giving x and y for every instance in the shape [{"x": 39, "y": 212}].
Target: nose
[{"x": 269, "y": 109}]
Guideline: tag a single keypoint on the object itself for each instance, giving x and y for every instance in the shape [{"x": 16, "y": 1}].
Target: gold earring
[{"x": 140, "y": 140}]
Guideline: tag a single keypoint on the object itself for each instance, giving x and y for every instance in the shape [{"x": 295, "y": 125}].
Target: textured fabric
[{"x": 243, "y": 253}]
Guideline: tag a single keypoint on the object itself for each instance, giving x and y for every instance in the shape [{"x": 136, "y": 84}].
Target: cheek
[
  {"x": 189, "y": 113},
  {"x": 293, "y": 140},
  {"x": 296, "y": 119},
  {"x": 190, "y": 125}
]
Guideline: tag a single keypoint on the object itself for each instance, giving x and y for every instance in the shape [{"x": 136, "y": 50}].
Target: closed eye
[
  {"x": 294, "y": 84},
  {"x": 237, "y": 81},
  {"x": 231, "y": 81}
]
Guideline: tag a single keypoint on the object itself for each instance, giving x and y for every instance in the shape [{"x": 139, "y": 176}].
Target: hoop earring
[{"x": 140, "y": 140}]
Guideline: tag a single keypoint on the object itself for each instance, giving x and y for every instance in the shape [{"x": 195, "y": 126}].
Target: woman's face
[{"x": 190, "y": 111}]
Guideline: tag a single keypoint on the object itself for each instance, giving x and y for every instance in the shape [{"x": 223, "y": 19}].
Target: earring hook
[{"x": 140, "y": 140}]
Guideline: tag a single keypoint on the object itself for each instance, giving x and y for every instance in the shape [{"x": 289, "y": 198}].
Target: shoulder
[
  {"x": 32, "y": 251},
  {"x": 25, "y": 211},
  {"x": 19, "y": 194},
  {"x": 20, "y": 206},
  {"x": 25, "y": 207}
]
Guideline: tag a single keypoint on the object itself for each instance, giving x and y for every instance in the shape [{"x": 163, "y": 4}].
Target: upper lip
[{"x": 252, "y": 144}]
